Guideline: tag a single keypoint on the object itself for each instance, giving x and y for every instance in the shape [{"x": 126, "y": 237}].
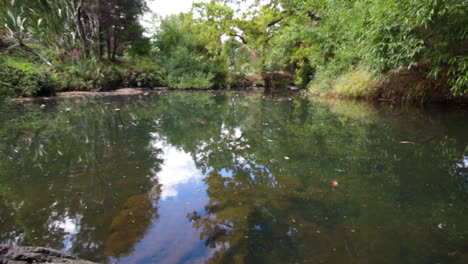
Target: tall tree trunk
[
  {"x": 108, "y": 41},
  {"x": 99, "y": 33},
  {"x": 114, "y": 48},
  {"x": 77, "y": 7}
]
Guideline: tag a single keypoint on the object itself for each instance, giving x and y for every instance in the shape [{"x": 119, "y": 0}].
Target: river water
[{"x": 198, "y": 177}]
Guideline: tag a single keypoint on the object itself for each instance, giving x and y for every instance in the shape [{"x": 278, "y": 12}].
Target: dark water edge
[{"x": 198, "y": 177}]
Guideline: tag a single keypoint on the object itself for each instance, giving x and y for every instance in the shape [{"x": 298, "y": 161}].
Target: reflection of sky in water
[
  {"x": 172, "y": 238},
  {"x": 71, "y": 227},
  {"x": 464, "y": 162},
  {"x": 178, "y": 168}
]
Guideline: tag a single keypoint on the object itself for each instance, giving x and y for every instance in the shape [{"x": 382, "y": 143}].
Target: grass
[{"x": 356, "y": 83}]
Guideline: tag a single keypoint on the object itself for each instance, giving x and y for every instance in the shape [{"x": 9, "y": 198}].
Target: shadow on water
[{"x": 191, "y": 177}]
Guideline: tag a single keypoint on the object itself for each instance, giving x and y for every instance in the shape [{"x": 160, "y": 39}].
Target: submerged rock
[{"x": 20, "y": 255}]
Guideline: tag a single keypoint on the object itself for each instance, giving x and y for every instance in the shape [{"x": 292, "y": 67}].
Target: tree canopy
[{"x": 404, "y": 48}]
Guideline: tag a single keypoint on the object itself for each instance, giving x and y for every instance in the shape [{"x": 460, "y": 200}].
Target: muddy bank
[
  {"x": 23, "y": 255},
  {"x": 83, "y": 94}
]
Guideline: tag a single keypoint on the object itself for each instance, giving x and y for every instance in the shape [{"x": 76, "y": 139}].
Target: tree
[{"x": 187, "y": 60}]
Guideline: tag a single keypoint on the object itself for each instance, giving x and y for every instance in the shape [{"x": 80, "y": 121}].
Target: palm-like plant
[
  {"x": 49, "y": 22},
  {"x": 16, "y": 26}
]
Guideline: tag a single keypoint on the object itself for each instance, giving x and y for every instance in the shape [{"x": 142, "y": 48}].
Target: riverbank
[
  {"x": 258, "y": 93},
  {"x": 83, "y": 94},
  {"x": 409, "y": 86}
]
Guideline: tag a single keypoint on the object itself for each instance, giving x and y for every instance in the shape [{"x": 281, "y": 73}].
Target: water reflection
[
  {"x": 178, "y": 168},
  {"x": 65, "y": 175},
  {"x": 225, "y": 178},
  {"x": 131, "y": 224}
]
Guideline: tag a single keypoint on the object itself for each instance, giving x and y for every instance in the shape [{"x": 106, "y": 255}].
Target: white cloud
[
  {"x": 165, "y": 7},
  {"x": 178, "y": 168}
]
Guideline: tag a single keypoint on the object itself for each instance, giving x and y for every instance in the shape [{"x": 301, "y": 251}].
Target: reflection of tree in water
[
  {"x": 271, "y": 165},
  {"x": 275, "y": 203},
  {"x": 65, "y": 173},
  {"x": 132, "y": 223},
  {"x": 249, "y": 221}
]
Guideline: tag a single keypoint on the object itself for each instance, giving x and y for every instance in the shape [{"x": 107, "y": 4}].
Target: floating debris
[
  {"x": 335, "y": 183},
  {"x": 287, "y": 158},
  {"x": 242, "y": 147},
  {"x": 407, "y": 142}
]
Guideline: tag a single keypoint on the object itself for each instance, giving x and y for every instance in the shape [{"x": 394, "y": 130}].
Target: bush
[
  {"x": 20, "y": 83},
  {"x": 110, "y": 79},
  {"x": 141, "y": 78},
  {"x": 239, "y": 82},
  {"x": 325, "y": 76},
  {"x": 303, "y": 74},
  {"x": 355, "y": 83},
  {"x": 197, "y": 80}
]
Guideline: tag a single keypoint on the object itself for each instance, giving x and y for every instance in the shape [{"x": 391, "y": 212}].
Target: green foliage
[
  {"x": 142, "y": 72},
  {"x": 385, "y": 36},
  {"x": 140, "y": 47},
  {"x": 333, "y": 36},
  {"x": 304, "y": 73},
  {"x": 17, "y": 82},
  {"x": 218, "y": 44},
  {"x": 49, "y": 22},
  {"x": 197, "y": 80},
  {"x": 146, "y": 78},
  {"x": 355, "y": 83},
  {"x": 186, "y": 60}
]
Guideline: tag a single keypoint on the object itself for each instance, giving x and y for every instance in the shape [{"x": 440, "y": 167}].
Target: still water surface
[{"x": 227, "y": 178}]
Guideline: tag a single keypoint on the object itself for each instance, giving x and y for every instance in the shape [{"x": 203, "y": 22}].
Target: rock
[{"x": 23, "y": 255}]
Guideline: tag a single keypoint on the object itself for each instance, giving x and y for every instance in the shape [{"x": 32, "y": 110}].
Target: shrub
[
  {"x": 197, "y": 80},
  {"x": 355, "y": 83},
  {"x": 141, "y": 78},
  {"x": 111, "y": 78},
  {"x": 19, "y": 83}
]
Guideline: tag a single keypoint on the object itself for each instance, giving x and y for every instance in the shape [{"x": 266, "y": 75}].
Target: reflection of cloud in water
[
  {"x": 463, "y": 163},
  {"x": 71, "y": 227},
  {"x": 178, "y": 168},
  {"x": 173, "y": 239}
]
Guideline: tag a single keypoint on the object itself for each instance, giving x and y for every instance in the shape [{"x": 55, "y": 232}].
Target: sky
[
  {"x": 168, "y": 7},
  {"x": 164, "y": 8}
]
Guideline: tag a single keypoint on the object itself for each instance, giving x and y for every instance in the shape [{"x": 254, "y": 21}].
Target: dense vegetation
[{"x": 392, "y": 49}]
